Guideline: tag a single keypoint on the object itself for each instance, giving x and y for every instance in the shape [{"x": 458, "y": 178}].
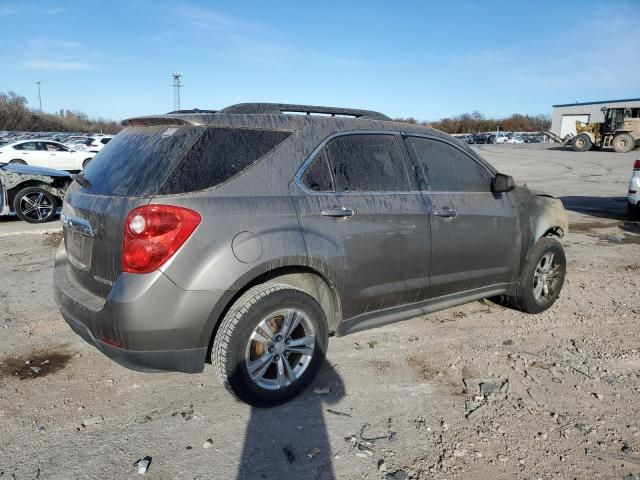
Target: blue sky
[{"x": 422, "y": 59}]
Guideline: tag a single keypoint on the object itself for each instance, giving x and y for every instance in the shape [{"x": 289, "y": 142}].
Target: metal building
[{"x": 564, "y": 117}]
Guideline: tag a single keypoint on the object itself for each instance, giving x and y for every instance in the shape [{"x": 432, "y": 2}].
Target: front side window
[
  {"x": 367, "y": 163},
  {"x": 317, "y": 176},
  {"x": 445, "y": 168},
  {"x": 52, "y": 147}
]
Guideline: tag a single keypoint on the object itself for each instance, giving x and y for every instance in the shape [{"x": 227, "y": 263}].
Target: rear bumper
[{"x": 146, "y": 323}]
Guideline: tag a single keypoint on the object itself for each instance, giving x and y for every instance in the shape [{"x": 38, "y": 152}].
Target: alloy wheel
[
  {"x": 36, "y": 206},
  {"x": 545, "y": 278},
  {"x": 280, "y": 349}
]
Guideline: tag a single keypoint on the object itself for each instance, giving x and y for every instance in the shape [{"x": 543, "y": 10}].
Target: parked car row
[
  {"x": 500, "y": 137},
  {"x": 36, "y": 167}
]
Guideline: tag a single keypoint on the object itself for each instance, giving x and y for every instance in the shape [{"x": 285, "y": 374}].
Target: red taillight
[
  {"x": 636, "y": 165},
  {"x": 153, "y": 233}
]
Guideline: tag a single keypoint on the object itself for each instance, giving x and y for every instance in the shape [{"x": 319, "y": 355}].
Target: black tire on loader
[
  {"x": 582, "y": 143},
  {"x": 623, "y": 143}
]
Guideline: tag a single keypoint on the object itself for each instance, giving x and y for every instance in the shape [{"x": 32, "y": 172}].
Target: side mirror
[{"x": 502, "y": 183}]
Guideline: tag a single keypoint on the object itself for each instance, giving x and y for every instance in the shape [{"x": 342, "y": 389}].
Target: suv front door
[
  {"x": 473, "y": 230},
  {"x": 362, "y": 221}
]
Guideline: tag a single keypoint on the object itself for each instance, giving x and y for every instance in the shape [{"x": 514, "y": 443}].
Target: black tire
[
  {"x": 19, "y": 161},
  {"x": 231, "y": 343},
  {"x": 582, "y": 143},
  {"x": 26, "y": 201},
  {"x": 633, "y": 212},
  {"x": 623, "y": 143},
  {"x": 525, "y": 298},
  {"x": 86, "y": 162}
]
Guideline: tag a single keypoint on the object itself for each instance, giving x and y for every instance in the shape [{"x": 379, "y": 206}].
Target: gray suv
[{"x": 250, "y": 235}]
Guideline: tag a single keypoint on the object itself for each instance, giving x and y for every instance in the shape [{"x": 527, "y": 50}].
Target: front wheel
[
  {"x": 35, "y": 205},
  {"x": 582, "y": 143},
  {"x": 542, "y": 277},
  {"x": 270, "y": 345},
  {"x": 85, "y": 163},
  {"x": 633, "y": 211}
]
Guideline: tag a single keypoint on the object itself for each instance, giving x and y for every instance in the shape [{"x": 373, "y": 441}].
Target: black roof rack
[
  {"x": 193, "y": 110},
  {"x": 284, "y": 108}
]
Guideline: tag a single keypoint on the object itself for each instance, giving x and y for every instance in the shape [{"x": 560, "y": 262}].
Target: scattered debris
[
  {"x": 335, "y": 412},
  {"x": 388, "y": 435},
  {"x": 372, "y": 343},
  {"x": 208, "y": 443},
  {"x": 313, "y": 453},
  {"x": 476, "y": 413},
  {"x": 381, "y": 465},
  {"x": 143, "y": 465},
  {"x": 321, "y": 390}
]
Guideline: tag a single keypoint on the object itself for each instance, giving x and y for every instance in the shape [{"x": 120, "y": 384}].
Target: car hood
[{"x": 30, "y": 170}]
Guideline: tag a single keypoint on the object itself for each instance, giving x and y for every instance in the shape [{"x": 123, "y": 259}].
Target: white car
[
  {"x": 45, "y": 153},
  {"x": 90, "y": 144},
  {"x": 633, "y": 205},
  {"x": 515, "y": 140}
]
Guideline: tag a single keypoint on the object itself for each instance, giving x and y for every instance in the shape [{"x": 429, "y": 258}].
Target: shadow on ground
[
  {"x": 613, "y": 208},
  {"x": 291, "y": 441}
]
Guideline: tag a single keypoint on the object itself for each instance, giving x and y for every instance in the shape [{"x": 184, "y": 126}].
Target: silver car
[{"x": 246, "y": 237}]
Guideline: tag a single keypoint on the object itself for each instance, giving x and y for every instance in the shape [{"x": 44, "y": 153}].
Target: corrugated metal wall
[{"x": 593, "y": 110}]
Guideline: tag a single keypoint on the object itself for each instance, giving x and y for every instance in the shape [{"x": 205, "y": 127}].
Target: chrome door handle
[
  {"x": 445, "y": 212},
  {"x": 338, "y": 211}
]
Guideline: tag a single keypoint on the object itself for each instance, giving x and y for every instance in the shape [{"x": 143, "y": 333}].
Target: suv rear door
[
  {"x": 473, "y": 231},
  {"x": 361, "y": 220}
]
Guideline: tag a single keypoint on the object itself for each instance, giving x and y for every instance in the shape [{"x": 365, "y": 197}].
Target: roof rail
[
  {"x": 284, "y": 108},
  {"x": 193, "y": 110}
]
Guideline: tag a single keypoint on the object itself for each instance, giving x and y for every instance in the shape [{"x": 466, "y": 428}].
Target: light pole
[{"x": 39, "y": 96}]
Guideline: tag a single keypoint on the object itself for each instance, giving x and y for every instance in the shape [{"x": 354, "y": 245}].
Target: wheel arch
[
  {"x": 305, "y": 278},
  {"x": 15, "y": 189}
]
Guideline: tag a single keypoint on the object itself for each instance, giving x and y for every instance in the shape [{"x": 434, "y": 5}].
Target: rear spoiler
[{"x": 157, "y": 120}]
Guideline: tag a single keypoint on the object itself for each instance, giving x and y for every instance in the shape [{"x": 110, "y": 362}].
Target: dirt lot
[{"x": 562, "y": 389}]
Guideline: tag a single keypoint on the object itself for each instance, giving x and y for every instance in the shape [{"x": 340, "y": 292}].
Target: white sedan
[{"x": 45, "y": 153}]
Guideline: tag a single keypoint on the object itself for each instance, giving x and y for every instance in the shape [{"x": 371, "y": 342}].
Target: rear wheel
[
  {"x": 270, "y": 345},
  {"x": 85, "y": 163},
  {"x": 18, "y": 161},
  {"x": 633, "y": 211},
  {"x": 623, "y": 143},
  {"x": 582, "y": 143},
  {"x": 542, "y": 277},
  {"x": 35, "y": 205}
]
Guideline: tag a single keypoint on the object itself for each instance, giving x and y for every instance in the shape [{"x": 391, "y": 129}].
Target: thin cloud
[
  {"x": 57, "y": 65},
  {"x": 7, "y": 9}
]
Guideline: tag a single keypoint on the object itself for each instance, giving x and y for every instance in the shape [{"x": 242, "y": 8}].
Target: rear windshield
[{"x": 167, "y": 160}]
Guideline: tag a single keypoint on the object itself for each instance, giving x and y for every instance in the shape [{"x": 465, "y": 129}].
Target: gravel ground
[{"x": 477, "y": 391}]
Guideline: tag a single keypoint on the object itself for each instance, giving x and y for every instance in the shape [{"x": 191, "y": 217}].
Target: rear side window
[
  {"x": 218, "y": 155},
  {"x": 151, "y": 160},
  {"x": 445, "y": 168},
  {"x": 138, "y": 160},
  {"x": 26, "y": 146},
  {"x": 317, "y": 176},
  {"x": 367, "y": 163}
]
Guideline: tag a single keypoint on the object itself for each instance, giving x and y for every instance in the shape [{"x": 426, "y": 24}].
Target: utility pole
[
  {"x": 177, "y": 85},
  {"x": 39, "y": 96}
]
